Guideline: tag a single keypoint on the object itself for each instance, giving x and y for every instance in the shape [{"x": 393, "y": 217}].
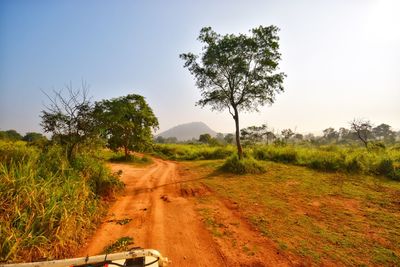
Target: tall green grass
[
  {"x": 192, "y": 152},
  {"x": 384, "y": 162},
  {"x": 47, "y": 204},
  {"x": 341, "y": 158}
]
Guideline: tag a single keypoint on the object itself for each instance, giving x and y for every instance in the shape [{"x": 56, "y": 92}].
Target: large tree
[
  {"x": 127, "y": 122},
  {"x": 237, "y": 72}
]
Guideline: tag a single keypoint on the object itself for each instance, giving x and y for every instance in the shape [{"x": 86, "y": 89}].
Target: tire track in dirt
[{"x": 161, "y": 218}]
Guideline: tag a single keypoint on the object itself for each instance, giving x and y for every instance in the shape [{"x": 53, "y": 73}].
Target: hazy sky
[{"x": 342, "y": 58}]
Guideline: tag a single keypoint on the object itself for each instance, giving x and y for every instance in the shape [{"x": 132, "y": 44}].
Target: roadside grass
[
  {"x": 48, "y": 205},
  {"x": 324, "y": 218},
  {"x": 332, "y": 158}
]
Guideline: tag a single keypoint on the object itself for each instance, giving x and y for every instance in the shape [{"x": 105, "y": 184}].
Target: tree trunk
[
  {"x": 239, "y": 146},
  {"x": 365, "y": 143},
  {"x": 70, "y": 152},
  {"x": 126, "y": 152}
]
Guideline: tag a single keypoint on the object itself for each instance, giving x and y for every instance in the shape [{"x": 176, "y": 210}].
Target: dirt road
[{"x": 162, "y": 218}]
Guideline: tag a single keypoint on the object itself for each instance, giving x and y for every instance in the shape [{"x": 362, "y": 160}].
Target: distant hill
[{"x": 188, "y": 131}]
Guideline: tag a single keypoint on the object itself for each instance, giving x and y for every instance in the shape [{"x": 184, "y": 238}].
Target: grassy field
[
  {"x": 330, "y": 158},
  {"x": 339, "y": 218}
]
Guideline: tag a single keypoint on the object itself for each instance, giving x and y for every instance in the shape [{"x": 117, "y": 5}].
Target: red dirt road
[{"x": 163, "y": 219}]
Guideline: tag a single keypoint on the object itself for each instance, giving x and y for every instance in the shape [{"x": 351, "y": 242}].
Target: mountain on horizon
[{"x": 188, "y": 131}]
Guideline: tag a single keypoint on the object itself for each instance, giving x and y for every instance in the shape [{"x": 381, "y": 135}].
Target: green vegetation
[
  {"x": 31, "y": 137},
  {"x": 51, "y": 191},
  {"x": 384, "y": 162},
  {"x": 48, "y": 205},
  {"x": 321, "y": 217},
  {"x": 127, "y": 122},
  {"x": 329, "y": 158},
  {"x": 192, "y": 152}
]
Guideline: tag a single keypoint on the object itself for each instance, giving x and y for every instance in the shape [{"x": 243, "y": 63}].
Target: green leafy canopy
[
  {"x": 237, "y": 71},
  {"x": 127, "y": 122}
]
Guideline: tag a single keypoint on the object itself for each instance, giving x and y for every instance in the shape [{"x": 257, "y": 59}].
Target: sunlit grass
[
  {"x": 330, "y": 158},
  {"x": 324, "y": 217},
  {"x": 48, "y": 205},
  {"x": 193, "y": 152}
]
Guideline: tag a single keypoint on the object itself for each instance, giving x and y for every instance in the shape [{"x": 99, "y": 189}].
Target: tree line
[
  {"x": 13, "y": 135},
  {"x": 361, "y": 131},
  {"x": 75, "y": 122}
]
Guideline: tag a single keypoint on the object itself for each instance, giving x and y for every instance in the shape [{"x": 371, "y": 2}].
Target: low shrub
[
  {"x": 326, "y": 162},
  {"x": 246, "y": 165},
  {"x": 353, "y": 164},
  {"x": 385, "y": 167}
]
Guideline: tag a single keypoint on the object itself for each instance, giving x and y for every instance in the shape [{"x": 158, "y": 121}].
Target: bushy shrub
[
  {"x": 326, "y": 162},
  {"x": 243, "y": 166},
  {"x": 385, "y": 167},
  {"x": 353, "y": 164}
]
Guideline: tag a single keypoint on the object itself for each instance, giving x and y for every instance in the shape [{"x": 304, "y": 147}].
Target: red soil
[{"x": 163, "y": 217}]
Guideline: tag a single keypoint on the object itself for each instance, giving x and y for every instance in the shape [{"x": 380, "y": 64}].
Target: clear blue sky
[{"x": 342, "y": 58}]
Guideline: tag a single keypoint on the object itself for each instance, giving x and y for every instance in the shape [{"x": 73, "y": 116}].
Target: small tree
[
  {"x": 229, "y": 138},
  {"x": 254, "y": 134},
  {"x": 237, "y": 72},
  {"x": 362, "y": 128},
  {"x": 269, "y": 136},
  {"x": 330, "y": 135},
  {"x": 220, "y": 137},
  {"x": 69, "y": 118},
  {"x": 298, "y": 137},
  {"x": 205, "y": 138},
  {"x": 127, "y": 122},
  {"x": 287, "y": 133}
]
